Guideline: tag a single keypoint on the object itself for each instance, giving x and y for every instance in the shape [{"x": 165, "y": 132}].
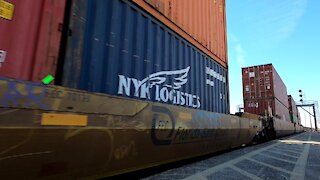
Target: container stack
[
  {"x": 264, "y": 92},
  {"x": 172, "y": 52},
  {"x": 203, "y": 20},
  {"x": 293, "y": 110}
]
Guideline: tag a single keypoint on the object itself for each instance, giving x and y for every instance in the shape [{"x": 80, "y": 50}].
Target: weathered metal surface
[
  {"x": 30, "y": 41},
  {"x": 250, "y": 116},
  {"x": 121, "y": 134},
  {"x": 283, "y": 128},
  {"x": 299, "y": 128},
  {"x": 118, "y": 49},
  {"x": 267, "y": 107},
  {"x": 203, "y": 20}
]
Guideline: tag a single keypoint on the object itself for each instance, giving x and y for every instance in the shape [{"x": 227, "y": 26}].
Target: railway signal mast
[{"x": 302, "y": 105}]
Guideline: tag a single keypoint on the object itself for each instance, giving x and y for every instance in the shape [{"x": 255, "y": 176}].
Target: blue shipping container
[{"x": 116, "y": 48}]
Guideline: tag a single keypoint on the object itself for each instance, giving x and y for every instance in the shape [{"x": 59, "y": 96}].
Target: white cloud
[
  {"x": 232, "y": 37},
  {"x": 277, "y": 20},
  {"x": 240, "y": 55},
  {"x": 240, "y": 52}
]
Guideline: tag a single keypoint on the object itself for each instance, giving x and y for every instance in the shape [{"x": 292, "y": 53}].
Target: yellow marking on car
[{"x": 52, "y": 119}]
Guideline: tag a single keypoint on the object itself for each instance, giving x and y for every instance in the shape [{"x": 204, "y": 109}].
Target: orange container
[{"x": 203, "y": 23}]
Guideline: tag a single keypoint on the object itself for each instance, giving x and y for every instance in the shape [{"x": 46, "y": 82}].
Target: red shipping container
[
  {"x": 30, "y": 41},
  {"x": 267, "y": 107},
  {"x": 263, "y": 82},
  {"x": 292, "y": 106},
  {"x": 264, "y": 92},
  {"x": 293, "y": 109}
]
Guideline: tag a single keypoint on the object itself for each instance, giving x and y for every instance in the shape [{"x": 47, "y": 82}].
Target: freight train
[
  {"x": 265, "y": 94},
  {"x": 52, "y": 132},
  {"x": 138, "y": 84}
]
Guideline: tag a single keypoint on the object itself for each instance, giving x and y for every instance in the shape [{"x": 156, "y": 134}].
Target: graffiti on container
[
  {"x": 200, "y": 127},
  {"x": 185, "y": 135},
  {"x": 125, "y": 151},
  {"x": 167, "y": 85},
  {"x": 30, "y": 94},
  {"x": 206, "y": 120},
  {"x": 23, "y": 94},
  {"x": 203, "y": 126}
]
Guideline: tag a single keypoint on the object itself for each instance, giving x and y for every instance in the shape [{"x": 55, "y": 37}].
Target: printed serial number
[{"x": 71, "y": 96}]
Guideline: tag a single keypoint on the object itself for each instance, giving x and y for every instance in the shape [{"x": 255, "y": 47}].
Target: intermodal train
[
  {"x": 53, "y": 132},
  {"x": 137, "y": 84}
]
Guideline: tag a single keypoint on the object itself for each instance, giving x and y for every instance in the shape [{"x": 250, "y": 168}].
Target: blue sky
[{"x": 285, "y": 33}]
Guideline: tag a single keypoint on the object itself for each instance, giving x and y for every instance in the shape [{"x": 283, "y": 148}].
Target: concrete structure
[{"x": 295, "y": 157}]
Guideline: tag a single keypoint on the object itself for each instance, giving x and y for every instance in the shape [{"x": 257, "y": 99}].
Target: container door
[{"x": 30, "y": 38}]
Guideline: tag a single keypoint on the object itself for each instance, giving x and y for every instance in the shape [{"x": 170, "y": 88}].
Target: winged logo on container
[
  {"x": 161, "y": 77},
  {"x": 166, "y": 85}
]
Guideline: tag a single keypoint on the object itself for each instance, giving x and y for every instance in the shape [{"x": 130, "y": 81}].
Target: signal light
[{"x": 300, "y": 95}]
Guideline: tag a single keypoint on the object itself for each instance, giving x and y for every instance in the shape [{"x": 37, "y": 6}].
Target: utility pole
[
  {"x": 315, "y": 117},
  {"x": 308, "y": 105}
]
